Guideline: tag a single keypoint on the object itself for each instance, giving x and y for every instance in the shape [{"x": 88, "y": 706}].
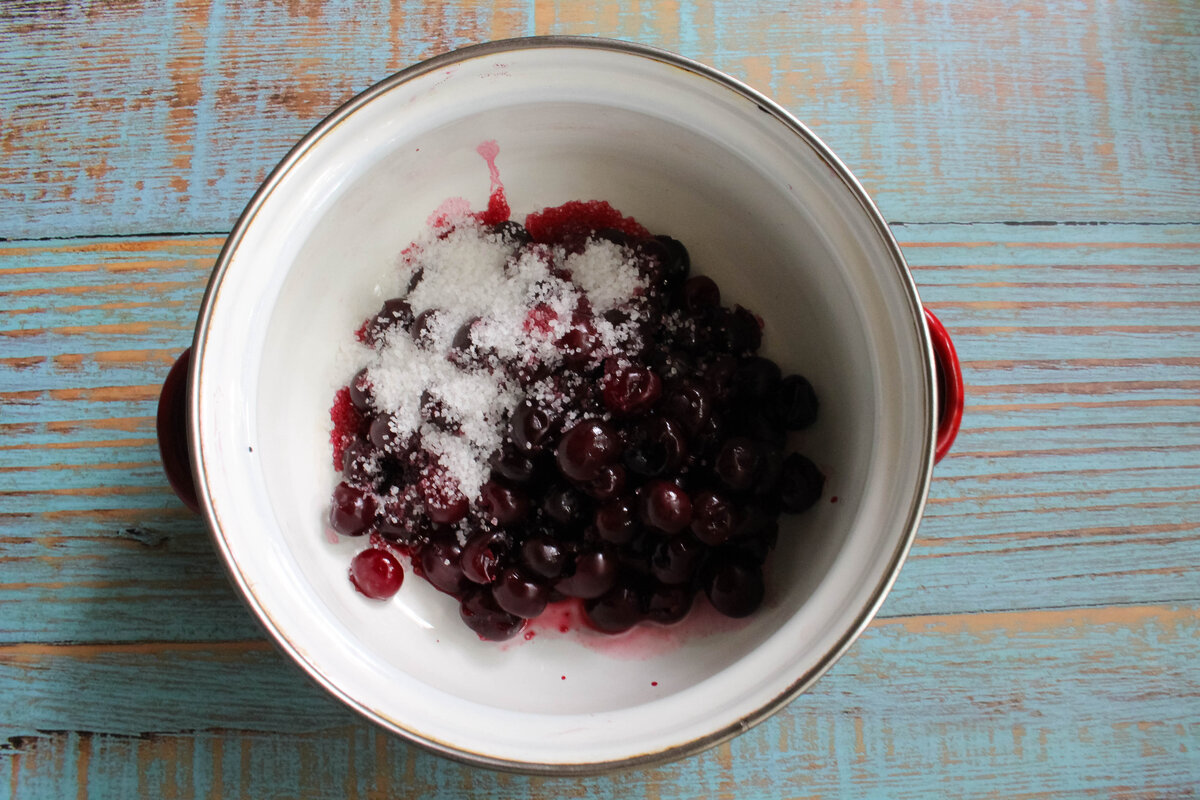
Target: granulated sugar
[{"x": 519, "y": 303}]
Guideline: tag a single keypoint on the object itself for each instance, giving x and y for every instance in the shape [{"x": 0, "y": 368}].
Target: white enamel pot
[{"x": 764, "y": 207}]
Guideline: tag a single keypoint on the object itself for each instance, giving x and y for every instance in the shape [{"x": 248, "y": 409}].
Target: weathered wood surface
[{"x": 1042, "y": 638}]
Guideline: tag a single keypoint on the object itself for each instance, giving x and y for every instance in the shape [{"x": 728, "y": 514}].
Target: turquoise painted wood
[{"x": 1039, "y": 643}]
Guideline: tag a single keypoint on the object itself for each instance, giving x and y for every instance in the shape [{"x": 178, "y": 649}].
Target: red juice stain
[
  {"x": 654, "y": 683},
  {"x": 529, "y": 635},
  {"x": 497, "y": 208},
  {"x": 577, "y": 219},
  {"x": 347, "y": 422},
  {"x": 833, "y": 499},
  {"x": 564, "y": 677}
]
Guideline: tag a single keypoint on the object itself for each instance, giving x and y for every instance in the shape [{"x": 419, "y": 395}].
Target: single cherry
[
  {"x": 444, "y": 501},
  {"x": 616, "y": 521},
  {"x": 666, "y": 506},
  {"x": 617, "y": 610},
  {"x": 504, "y": 504},
  {"x": 738, "y": 463},
  {"x": 629, "y": 389},
  {"x": 482, "y": 556},
  {"x": 376, "y": 573},
  {"x": 733, "y": 583},
  {"x": 795, "y": 403},
  {"x": 395, "y": 313},
  {"x": 482, "y": 614},
  {"x": 595, "y": 573},
  {"x": 714, "y": 517},
  {"x": 353, "y": 510},
  {"x": 529, "y": 427},
  {"x": 800, "y": 483},
  {"x": 520, "y": 594},
  {"x": 544, "y": 555},
  {"x": 588, "y": 447},
  {"x": 441, "y": 564}
]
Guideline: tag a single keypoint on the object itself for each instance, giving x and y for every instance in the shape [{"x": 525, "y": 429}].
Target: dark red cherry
[
  {"x": 629, "y": 389},
  {"x": 504, "y": 504},
  {"x": 675, "y": 559},
  {"x": 578, "y": 346},
  {"x": 667, "y": 605},
  {"x": 755, "y": 380},
  {"x": 794, "y": 403},
  {"x": 423, "y": 325},
  {"x": 617, "y": 610},
  {"x": 690, "y": 402},
  {"x": 544, "y": 556},
  {"x": 529, "y": 427},
  {"x": 701, "y": 293},
  {"x": 395, "y": 313},
  {"x": 482, "y": 614},
  {"x": 519, "y": 594},
  {"x": 353, "y": 510},
  {"x": 800, "y": 483},
  {"x": 740, "y": 331},
  {"x": 588, "y": 447},
  {"x": 714, "y": 517},
  {"x": 512, "y": 464},
  {"x": 383, "y": 435},
  {"x": 738, "y": 463},
  {"x": 438, "y": 413},
  {"x": 657, "y": 446},
  {"x": 666, "y": 506},
  {"x": 677, "y": 263},
  {"x": 608, "y": 484},
  {"x": 733, "y": 583},
  {"x": 719, "y": 372},
  {"x": 616, "y": 521},
  {"x": 376, "y": 573},
  {"x": 444, "y": 501},
  {"x": 512, "y": 231},
  {"x": 360, "y": 463},
  {"x": 482, "y": 556},
  {"x": 441, "y": 563},
  {"x": 564, "y": 505},
  {"x": 595, "y": 573},
  {"x": 360, "y": 390}
]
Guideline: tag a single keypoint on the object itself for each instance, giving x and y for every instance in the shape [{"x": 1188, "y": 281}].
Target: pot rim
[{"x": 807, "y": 137}]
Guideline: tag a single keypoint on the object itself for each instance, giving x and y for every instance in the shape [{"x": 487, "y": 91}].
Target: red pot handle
[
  {"x": 173, "y": 432},
  {"x": 950, "y": 386}
]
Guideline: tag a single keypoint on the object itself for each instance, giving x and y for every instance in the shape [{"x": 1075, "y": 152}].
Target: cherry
[
  {"x": 595, "y": 573},
  {"x": 666, "y": 506},
  {"x": 482, "y": 556},
  {"x": 794, "y": 403},
  {"x": 585, "y": 449},
  {"x": 353, "y": 510},
  {"x": 544, "y": 556},
  {"x": 657, "y": 447},
  {"x": 444, "y": 501},
  {"x": 630, "y": 390},
  {"x": 423, "y": 325},
  {"x": 360, "y": 390},
  {"x": 504, "y": 504},
  {"x": 738, "y": 463},
  {"x": 376, "y": 573},
  {"x": 608, "y": 484},
  {"x": 441, "y": 564},
  {"x": 800, "y": 483},
  {"x": 382, "y": 433},
  {"x": 667, "y": 605},
  {"x": 615, "y": 521},
  {"x": 359, "y": 464},
  {"x": 714, "y": 517},
  {"x": 677, "y": 262},
  {"x": 675, "y": 560},
  {"x": 482, "y": 614},
  {"x": 740, "y": 330},
  {"x": 755, "y": 379},
  {"x": 616, "y": 611},
  {"x": 690, "y": 403},
  {"x": 520, "y": 595},
  {"x": 529, "y": 427},
  {"x": 513, "y": 465},
  {"x": 395, "y": 313},
  {"x": 700, "y": 294},
  {"x": 734, "y": 584},
  {"x": 512, "y": 231},
  {"x": 564, "y": 505},
  {"x": 578, "y": 346}
]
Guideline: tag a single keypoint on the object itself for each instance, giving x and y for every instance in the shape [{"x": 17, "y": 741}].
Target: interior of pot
[{"x": 761, "y": 210}]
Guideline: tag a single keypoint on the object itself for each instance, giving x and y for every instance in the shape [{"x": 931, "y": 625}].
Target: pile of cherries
[{"x": 668, "y": 480}]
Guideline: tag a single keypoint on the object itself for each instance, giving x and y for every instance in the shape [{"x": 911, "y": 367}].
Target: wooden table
[{"x": 1040, "y": 166}]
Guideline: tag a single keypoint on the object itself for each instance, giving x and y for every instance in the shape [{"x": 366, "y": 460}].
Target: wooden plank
[
  {"x": 132, "y": 118},
  {"x": 1041, "y": 704}
]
